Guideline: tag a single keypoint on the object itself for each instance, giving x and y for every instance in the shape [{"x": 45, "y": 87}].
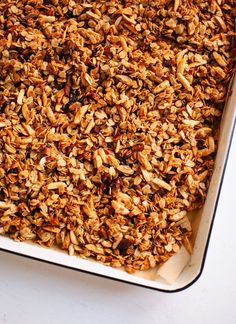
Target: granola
[{"x": 109, "y": 115}]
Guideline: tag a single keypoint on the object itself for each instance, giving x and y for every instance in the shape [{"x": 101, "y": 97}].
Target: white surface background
[{"x": 32, "y": 292}]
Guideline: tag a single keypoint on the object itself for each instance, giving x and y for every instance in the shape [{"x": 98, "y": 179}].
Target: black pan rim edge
[{"x": 137, "y": 284}]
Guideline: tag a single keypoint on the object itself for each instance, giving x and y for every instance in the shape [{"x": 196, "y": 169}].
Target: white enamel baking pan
[{"x": 201, "y": 228}]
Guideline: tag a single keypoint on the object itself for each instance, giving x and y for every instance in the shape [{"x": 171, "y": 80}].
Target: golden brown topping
[{"x": 109, "y": 114}]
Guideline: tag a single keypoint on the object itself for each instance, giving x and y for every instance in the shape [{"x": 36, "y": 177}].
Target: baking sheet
[{"x": 202, "y": 227}]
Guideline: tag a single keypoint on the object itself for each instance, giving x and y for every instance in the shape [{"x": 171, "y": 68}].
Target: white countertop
[{"x": 33, "y": 292}]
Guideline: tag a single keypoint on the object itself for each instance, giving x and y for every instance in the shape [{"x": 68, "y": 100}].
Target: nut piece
[
  {"x": 48, "y": 19},
  {"x": 143, "y": 159},
  {"x": 20, "y": 96},
  {"x": 4, "y": 205},
  {"x": 161, "y": 87},
  {"x": 219, "y": 59},
  {"x": 176, "y": 4},
  {"x": 80, "y": 114},
  {"x": 178, "y": 216},
  {"x": 184, "y": 81},
  {"x": 57, "y": 185},
  {"x": 125, "y": 169},
  {"x": 119, "y": 208},
  {"x": 161, "y": 183}
]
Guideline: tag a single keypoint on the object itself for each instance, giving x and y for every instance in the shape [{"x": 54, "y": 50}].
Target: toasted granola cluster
[{"x": 109, "y": 115}]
